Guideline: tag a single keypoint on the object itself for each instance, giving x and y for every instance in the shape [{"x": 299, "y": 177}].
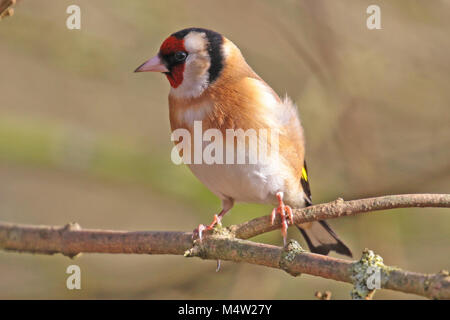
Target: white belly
[{"x": 256, "y": 183}]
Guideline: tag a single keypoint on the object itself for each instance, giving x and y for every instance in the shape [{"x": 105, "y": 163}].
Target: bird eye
[{"x": 180, "y": 56}]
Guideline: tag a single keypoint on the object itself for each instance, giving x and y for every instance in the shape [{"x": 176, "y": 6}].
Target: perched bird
[{"x": 211, "y": 82}]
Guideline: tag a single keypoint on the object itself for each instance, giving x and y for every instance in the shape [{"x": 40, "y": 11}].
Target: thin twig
[{"x": 341, "y": 208}]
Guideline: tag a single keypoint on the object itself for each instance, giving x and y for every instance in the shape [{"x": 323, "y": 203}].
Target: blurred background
[{"x": 83, "y": 138}]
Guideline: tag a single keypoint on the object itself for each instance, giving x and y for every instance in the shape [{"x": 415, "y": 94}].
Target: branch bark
[{"x": 230, "y": 244}]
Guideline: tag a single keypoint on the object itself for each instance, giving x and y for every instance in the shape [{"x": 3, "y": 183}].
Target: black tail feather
[
  {"x": 322, "y": 239},
  {"x": 319, "y": 236}
]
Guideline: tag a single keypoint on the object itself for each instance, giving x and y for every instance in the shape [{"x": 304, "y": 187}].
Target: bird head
[{"x": 192, "y": 59}]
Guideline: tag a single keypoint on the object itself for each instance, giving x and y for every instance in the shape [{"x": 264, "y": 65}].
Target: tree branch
[
  {"x": 341, "y": 208},
  {"x": 227, "y": 244}
]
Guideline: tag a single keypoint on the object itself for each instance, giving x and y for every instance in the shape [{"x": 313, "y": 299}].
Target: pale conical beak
[{"x": 154, "y": 64}]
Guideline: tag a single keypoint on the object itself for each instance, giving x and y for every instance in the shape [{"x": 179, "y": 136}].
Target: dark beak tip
[{"x": 138, "y": 69}]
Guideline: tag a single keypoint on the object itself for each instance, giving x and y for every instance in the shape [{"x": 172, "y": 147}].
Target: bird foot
[
  {"x": 198, "y": 233},
  {"x": 283, "y": 210}
]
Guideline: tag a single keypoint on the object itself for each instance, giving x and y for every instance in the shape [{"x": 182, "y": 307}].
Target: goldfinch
[{"x": 211, "y": 82}]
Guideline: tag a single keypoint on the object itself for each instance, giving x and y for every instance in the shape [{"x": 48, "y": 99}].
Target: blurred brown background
[{"x": 84, "y": 139}]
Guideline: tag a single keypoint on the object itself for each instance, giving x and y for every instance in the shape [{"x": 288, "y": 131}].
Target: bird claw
[
  {"x": 198, "y": 233},
  {"x": 283, "y": 210}
]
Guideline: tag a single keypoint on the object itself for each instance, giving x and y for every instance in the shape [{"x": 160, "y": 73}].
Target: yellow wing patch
[{"x": 304, "y": 174}]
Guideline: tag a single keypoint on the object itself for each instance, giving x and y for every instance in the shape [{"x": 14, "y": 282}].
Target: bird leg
[{"x": 282, "y": 210}]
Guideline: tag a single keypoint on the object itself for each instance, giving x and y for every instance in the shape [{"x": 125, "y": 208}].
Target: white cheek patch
[
  {"x": 194, "y": 82},
  {"x": 196, "y": 75}
]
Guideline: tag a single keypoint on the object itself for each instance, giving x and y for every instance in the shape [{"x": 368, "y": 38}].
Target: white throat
[{"x": 191, "y": 87}]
